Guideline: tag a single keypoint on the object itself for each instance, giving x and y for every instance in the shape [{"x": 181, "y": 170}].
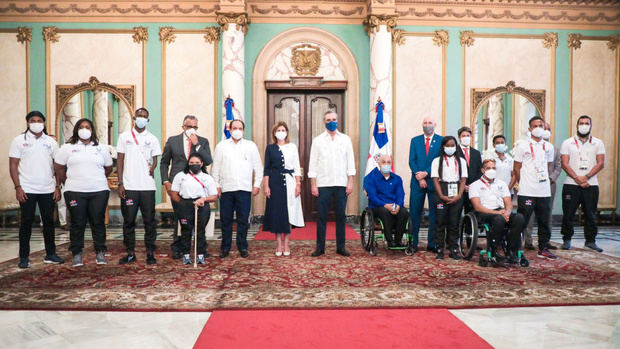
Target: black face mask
[{"x": 195, "y": 168}]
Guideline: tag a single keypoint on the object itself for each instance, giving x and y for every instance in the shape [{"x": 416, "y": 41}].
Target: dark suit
[
  {"x": 473, "y": 172},
  {"x": 420, "y": 161},
  {"x": 173, "y": 161}
]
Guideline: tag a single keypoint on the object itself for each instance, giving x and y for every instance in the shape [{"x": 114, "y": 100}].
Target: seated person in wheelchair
[
  {"x": 385, "y": 198},
  {"x": 491, "y": 200}
]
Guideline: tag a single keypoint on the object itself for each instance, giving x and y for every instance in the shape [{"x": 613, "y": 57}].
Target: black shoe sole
[{"x": 317, "y": 254}]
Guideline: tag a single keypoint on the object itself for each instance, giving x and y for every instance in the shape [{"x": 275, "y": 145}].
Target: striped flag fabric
[
  {"x": 229, "y": 103},
  {"x": 380, "y": 143}
]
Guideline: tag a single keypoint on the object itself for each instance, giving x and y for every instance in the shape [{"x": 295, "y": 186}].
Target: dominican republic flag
[
  {"x": 228, "y": 105},
  {"x": 380, "y": 141}
]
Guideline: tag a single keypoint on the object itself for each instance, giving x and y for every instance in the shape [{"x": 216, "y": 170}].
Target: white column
[
  {"x": 100, "y": 115},
  {"x": 381, "y": 76},
  {"x": 124, "y": 117},
  {"x": 71, "y": 113},
  {"x": 233, "y": 73}
]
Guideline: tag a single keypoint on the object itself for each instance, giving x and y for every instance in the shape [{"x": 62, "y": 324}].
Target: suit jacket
[
  {"x": 475, "y": 164},
  {"x": 419, "y": 161},
  {"x": 173, "y": 159}
]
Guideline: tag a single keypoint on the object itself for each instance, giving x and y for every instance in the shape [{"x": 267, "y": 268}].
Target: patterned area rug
[{"x": 300, "y": 281}]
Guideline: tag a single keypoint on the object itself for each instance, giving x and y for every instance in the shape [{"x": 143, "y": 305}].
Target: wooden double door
[{"x": 303, "y": 111}]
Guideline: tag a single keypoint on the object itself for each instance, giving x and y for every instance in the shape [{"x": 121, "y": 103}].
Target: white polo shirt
[
  {"x": 85, "y": 166},
  {"x": 234, "y": 164},
  {"x": 450, "y": 172},
  {"x": 491, "y": 195},
  {"x": 139, "y": 153},
  {"x": 504, "y": 167},
  {"x": 36, "y": 162},
  {"x": 331, "y": 160},
  {"x": 193, "y": 187},
  {"x": 587, "y": 152},
  {"x": 533, "y": 155}
]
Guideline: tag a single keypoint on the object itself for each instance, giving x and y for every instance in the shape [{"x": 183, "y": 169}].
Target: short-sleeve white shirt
[
  {"x": 542, "y": 154},
  {"x": 190, "y": 188},
  {"x": 503, "y": 167},
  {"x": 36, "y": 162},
  {"x": 139, "y": 153},
  {"x": 491, "y": 195},
  {"x": 85, "y": 166},
  {"x": 576, "y": 149},
  {"x": 450, "y": 172}
]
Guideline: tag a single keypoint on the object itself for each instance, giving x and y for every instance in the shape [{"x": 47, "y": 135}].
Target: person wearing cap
[
  {"x": 31, "y": 165},
  {"x": 137, "y": 158},
  {"x": 193, "y": 189},
  {"x": 83, "y": 165},
  {"x": 174, "y": 159},
  {"x": 583, "y": 157}
]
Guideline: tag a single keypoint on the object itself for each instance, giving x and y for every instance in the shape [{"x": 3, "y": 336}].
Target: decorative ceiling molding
[
  {"x": 550, "y": 40},
  {"x": 140, "y": 35},
  {"x": 614, "y": 42},
  {"x": 24, "y": 35},
  {"x": 373, "y": 21},
  {"x": 240, "y": 20}
]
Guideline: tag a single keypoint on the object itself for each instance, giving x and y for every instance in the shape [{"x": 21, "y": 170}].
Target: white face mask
[
  {"x": 490, "y": 174},
  {"x": 281, "y": 135},
  {"x": 36, "y": 127},
  {"x": 538, "y": 132},
  {"x": 236, "y": 134},
  {"x": 546, "y": 135},
  {"x": 449, "y": 150},
  {"x": 190, "y": 131},
  {"x": 84, "y": 133},
  {"x": 466, "y": 141},
  {"x": 584, "y": 129},
  {"x": 141, "y": 122}
]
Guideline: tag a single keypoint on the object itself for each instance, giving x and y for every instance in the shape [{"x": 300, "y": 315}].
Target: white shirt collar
[
  {"x": 30, "y": 135},
  {"x": 428, "y": 136}
]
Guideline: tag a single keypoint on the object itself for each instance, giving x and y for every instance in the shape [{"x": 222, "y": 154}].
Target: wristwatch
[{"x": 120, "y": 183}]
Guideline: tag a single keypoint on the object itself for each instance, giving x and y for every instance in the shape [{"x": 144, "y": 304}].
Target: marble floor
[{"x": 521, "y": 327}]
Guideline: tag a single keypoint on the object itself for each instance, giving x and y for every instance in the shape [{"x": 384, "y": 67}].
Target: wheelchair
[
  {"x": 372, "y": 231},
  {"x": 470, "y": 230}
]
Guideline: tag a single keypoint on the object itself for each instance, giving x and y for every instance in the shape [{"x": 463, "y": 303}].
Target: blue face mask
[
  {"x": 331, "y": 126},
  {"x": 385, "y": 169},
  {"x": 500, "y": 148},
  {"x": 141, "y": 122}
]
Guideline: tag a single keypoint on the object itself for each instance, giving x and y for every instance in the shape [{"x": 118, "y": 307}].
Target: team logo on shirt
[
  {"x": 128, "y": 142},
  {"x": 183, "y": 221},
  {"x": 440, "y": 206},
  {"x": 129, "y": 202},
  {"x": 73, "y": 203},
  {"x": 25, "y": 145},
  {"x": 528, "y": 202},
  {"x": 75, "y": 151}
]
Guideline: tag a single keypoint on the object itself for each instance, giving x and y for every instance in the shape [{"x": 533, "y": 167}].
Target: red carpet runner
[
  {"x": 367, "y": 328},
  {"x": 309, "y": 233}
]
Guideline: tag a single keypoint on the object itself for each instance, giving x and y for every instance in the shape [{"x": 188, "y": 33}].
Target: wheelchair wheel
[
  {"x": 468, "y": 235},
  {"x": 409, "y": 238},
  {"x": 373, "y": 249},
  {"x": 367, "y": 229},
  {"x": 524, "y": 262}
]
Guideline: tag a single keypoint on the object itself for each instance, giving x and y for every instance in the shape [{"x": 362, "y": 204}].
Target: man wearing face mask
[
  {"x": 31, "y": 165},
  {"x": 385, "y": 198},
  {"x": 583, "y": 157},
  {"x": 533, "y": 158},
  {"x": 174, "y": 159},
  {"x": 474, "y": 163},
  {"x": 236, "y": 160},
  {"x": 555, "y": 169},
  {"x": 331, "y": 170},
  {"x": 138, "y": 150},
  {"x": 492, "y": 203}
]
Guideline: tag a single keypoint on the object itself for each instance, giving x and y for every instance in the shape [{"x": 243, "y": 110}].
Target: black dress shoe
[
  {"x": 177, "y": 254},
  {"x": 551, "y": 247},
  {"x": 343, "y": 253},
  {"x": 455, "y": 255},
  {"x": 439, "y": 255},
  {"x": 317, "y": 253},
  {"x": 150, "y": 259},
  {"x": 431, "y": 249},
  {"x": 244, "y": 253},
  {"x": 224, "y": 254}
]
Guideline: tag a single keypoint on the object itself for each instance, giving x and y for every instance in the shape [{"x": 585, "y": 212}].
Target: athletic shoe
[
  {"x": 129, "y": 258},
  {"x": 496, "y": 262},
  {"x": 77, "y": 260},
  {"x": 546, "y": 254},
  {"x": 201, "y": 259},
  {"x": 186, "y": 259},
  {"x": 53, "y": 259},
  {"x": 593, "y": 246},
  {"x": 24, "y": 263},
  {"x": 512, "y": 258},
  {"x": 150, "y": 259},
  {"x": 566, "y": 245},
  {"x": 100, "y": 258}
]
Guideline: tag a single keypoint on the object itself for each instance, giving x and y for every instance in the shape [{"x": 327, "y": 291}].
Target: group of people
[{"x": 448, "y": 170}]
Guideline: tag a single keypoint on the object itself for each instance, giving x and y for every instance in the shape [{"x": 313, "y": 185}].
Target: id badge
[
  {"x": 453, "y": 189},
  {"x": 541, "y": 174},
  {"x": 584, "y": 164}
]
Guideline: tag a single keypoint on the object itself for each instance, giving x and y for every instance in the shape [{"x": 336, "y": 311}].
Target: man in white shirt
[
  {"x": 331, "y": 170},
  {"x": 532, "y": 160},
  {"x": 491, "y": 200},
  {"x": 137, "y": 158},
  {"x": 235, "y": 161},
  {"x": 583, "y": 157}
]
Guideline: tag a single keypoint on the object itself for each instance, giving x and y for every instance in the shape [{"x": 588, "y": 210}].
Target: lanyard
[
  {"x": 448, "y": 164},
  {"x": 532, "y": 150},
  {"x": 197, "y": 180},
  {"x": 135, "y": 138},
  {"x": 485, "y": 183}
]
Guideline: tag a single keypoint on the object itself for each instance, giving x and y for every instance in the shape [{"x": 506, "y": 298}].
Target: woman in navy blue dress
[{"x": 282, "y": 185}]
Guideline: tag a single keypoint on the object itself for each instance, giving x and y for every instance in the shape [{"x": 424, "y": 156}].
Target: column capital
[
  {"x": 240, "y": 20},
  {"x": 373, "y": 21}
]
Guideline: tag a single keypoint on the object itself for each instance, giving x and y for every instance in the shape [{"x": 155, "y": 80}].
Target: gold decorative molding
[
  {"x": 212, "y": 34},
  {"x": 314, "y": 10},
  {"x": 50, "y": 34},
  {"x": 24, "y": 35},
  {"x": 574, "y": 41},
  {"x": 550, "y": 40},
  {"x": 306, "y": 59},
  {"x": 441, "y": 38},
  {"x": 373, "y": 21},
  {"x": 614, "y": 42},
  {"x": 240, "y": 20},
  {"x": 166, "y": 34},
  {"x": 466, "y": 38},
  {"x": 140, "y": 35},
  {"x": 397, "y": 37}
]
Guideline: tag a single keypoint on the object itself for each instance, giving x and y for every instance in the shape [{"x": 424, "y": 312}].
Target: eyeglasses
[{"x": 194, "y": 127}]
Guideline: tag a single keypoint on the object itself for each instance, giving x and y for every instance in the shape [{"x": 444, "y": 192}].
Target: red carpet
[
  {"x": 365, "y": 328},
  {"x": 309, "y": 233}
]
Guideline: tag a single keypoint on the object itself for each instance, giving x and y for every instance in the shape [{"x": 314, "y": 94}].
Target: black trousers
[
  {"x": 447, "y": 217},
  {"x": 542, "y": 207},
  {"x": 145, "y": 202},
  {"x": 339, "y": 196},
  {"x": 238, "y": 203},
  {"x": 497, "y": 225},
  {"x": 186, "y": 218},
  {"x": 390, "y": 221},
  {"x": 46, "y": 209},
  {"x": 85, "y": 207},
  {"x": 574, "y": 196}
]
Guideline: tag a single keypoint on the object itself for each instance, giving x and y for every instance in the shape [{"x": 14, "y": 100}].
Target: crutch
[{"x": 195, "y": 234}]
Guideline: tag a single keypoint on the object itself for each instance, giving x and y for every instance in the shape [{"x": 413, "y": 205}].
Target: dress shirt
[
  {"x": 331, "y": 160},
  {"x": 36, "y": 162},
  {"x": 588, "y": 150},
  {"x": 381, "y": 190},
  {"x": 234, "y": 164}
]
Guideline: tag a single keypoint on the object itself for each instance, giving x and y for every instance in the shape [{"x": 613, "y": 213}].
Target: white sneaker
[
  {"x": 100, "y": 258},
  {"x": 77, "y": 260}
]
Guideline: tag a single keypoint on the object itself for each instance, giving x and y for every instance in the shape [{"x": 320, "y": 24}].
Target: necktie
[
  {"x": 466, "y": 149},
  {"x": 428, "y": 143},
  {"x": 189, "y": 147}
]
